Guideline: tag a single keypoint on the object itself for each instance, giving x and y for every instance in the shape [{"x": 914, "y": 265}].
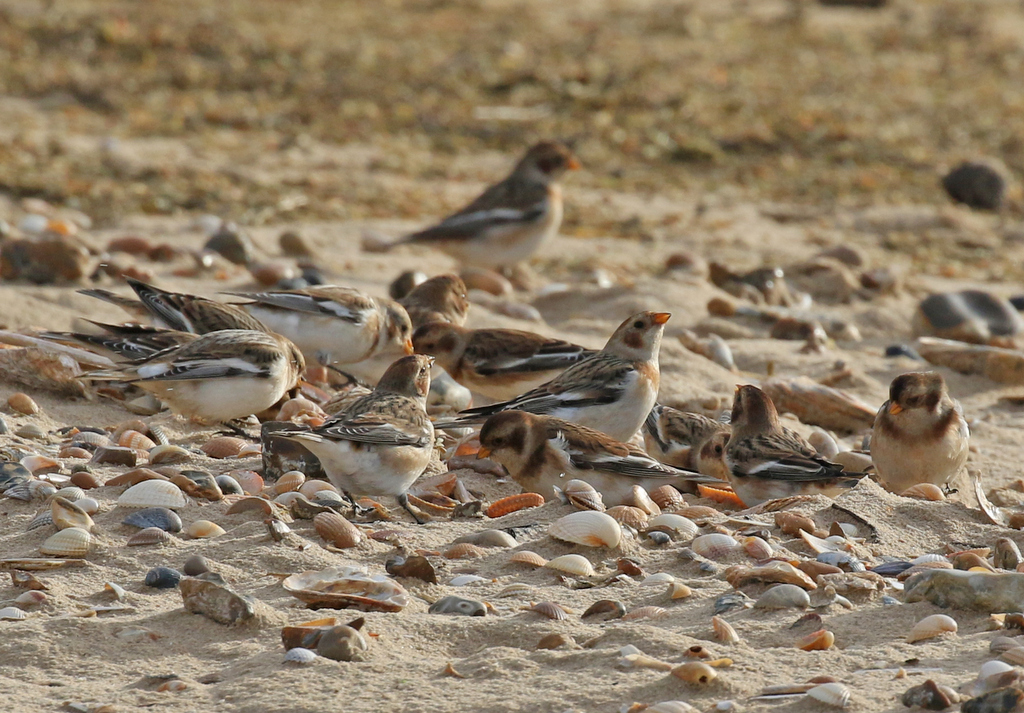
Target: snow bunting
[
  {"x": 338, "y": 325},
  {"x": 920, "y": 434},
  {"x": 382, "y": 442},
  {"x": 511, "y": 220},
  {"x": 125, "y": 342},
  {"x": 541, "y": 452},
  {"x": 611, "y": 391},
  {"x": 497, "y": 363},
  {"x": 684, "y": 440},
  {"x": 767, "y": 462},
  {"x": 217, "y": 377},
  {"x": 439, "y": 299}
]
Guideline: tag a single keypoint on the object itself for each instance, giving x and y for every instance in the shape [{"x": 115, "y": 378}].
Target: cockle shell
[
  {"x": 223, "y": 447},
  {"x": 684, "y": 527},
  {"x": 65, "y": 514},
  {"x": 820, "y": 640},
  {"x": 42, "y": 519},
  {"x": 134, "y": 439},
  {"x": 289, "y": 481},
  {"x": 831, "y": 694},
  {"x": 724, "y": 631},
  {"x": 783, "y": 596},
  {"x": 583, "y": 495},
  {"x": 658, "y": 578},
  {"x": 12, "y": 614},
  {"x": 628, "y": 515},
  {"x": 678, "y": 590},
  {"x": 154, "y": 517},
  {"x": 250, "y": 480},
  {"x": 336, "y": 530},
  {"x": 587, "y": 527},
  {"x": 163, "y": 455},
  {"x": 134, "y": 477},
  {"x": 528, "y": 558},
  {"x": 577, "y": 565},
  {"x": 23, "y": 404},
  {"x": 550, "y": 610},
  {"x": 347, "y": 587},
  {"x": 488, "y": 538},
  {"x": 204, "y": 529},
  {"x": 71, "y": 542},
  {"x": 30, "y": 598},
  {"x": 311, "y": 487},
  {"x": 715, "y": 546},
  {"x": 695, "y": 672},
  {"x": 85, "y": 480},
  {"x": 71, "y": 493},
  {"x": 757, "y": 548},
  {"x": 648, "y": 612},
  {"x": 149, "y": 536},
  {"x": 667, "y": 497},
  {"x": 300, "y": 656},
  {"x": 153, "y": 494},
  {"x": 514, "y": 503},
  {"x": 932, "y": 626},
  {"x": 463, "y": 550}
]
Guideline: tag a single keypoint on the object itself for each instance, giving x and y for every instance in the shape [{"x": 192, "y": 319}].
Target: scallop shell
[
  {"x": 463, "y": 550},
  {"x": 924, "y": 491},
  {"x": 153, "y": 494},
  {"x": 667, "y": 497},
  {"x": 757, "y": 548},
  {"x": 311, "y": 487},
  {"x": 72, "y": 542},
  {"x": 223, "y": 447},
  {"x": 289, "y": 481},
  {"x": 529, "y": 558},
  {"x": 347, "y": 587},
  {"x": 250, "y": 481},
  {"x": 639, "y": 498},
  {"x": 583, "y": 495},
  {"x": 683, "y": 526},
  {"x": 65, "y": 514},
  {"x": 336, "y": 530},
  {"x": 715, "y": 546},
  {"x": 577, "y": 565},
  {"x": 513, "y": 503},
  {"x": 71, "y": 493},
  {"x": 831, "y": 694},
  {"x": 932, "y": 626},
  {"x": 162, "y": 455},
  {"x": 648, "y": 612},
  {"x": 820, "y": 640},
  {"x": 550, "y": 610},
  {"x": 587, "y": 527},
  {"x": 201, "y": 529},
  {"x": 695, "y": 672},
  {"x": 149, "y": 536},
  {"x": 628, "y": 515},
  {"x": 783, "y": 596},
  {"x": 134, "y": 439}
]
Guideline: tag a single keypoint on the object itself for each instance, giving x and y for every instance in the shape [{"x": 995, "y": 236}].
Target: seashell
[
  {"x": 683, "y": 526},
  {"x": 297, "y": 407},
  {"x": 820, "y": 640},
  {"x": 85, "y": 480},
  {"x": 783, "y": 596},
  {"x": 640, "y": 499},
  {"x": 310, "y": 488},
  {"x": 250, "y": 481},
  {"x": 30, "y": 430},
  {"x": 697, "y": 652},
  {"x": 924, "y": 491},
  {"x": 134, "y": 439},
  {"x": 223, "y": 447},
  {"x": 30, "y": 598},
  {"x": 166, "y": 454},
  {"x": 458, "y": 606},
  {"x": 154, "y": 517},
  {"x": 791, "y": 523},
  {"x": 162, "y": 578},
  {"x": 40, "y": 464},
  {"x": 89, "y": 505},
  {"x": 514, "y": 503},
  {"x": 149, "y": 536},
  {"x": 775, "y": 571},
  {"x": 488, "y": 538},
  {"x": 583, "y": 495},
  {"x": 587, "y": 527},
  {"x": 577, "y": 565},
  {"x": 629, "y": 515},
  {"x": 464, "y": 550},
  {"x": 38, "y": 490},
  {"x": 715, "y": 546},
  {"x": 415, "y": 566},
  {"x": 605, "y": 606},
  {"x": 678, "y": 590},
  {"x": 71, "y": 542},
  {"x": 932, "y": 626},
  {"x": 463, "y": 579},
  {"x": 667, "y": 497},
  {"x": 43, "y": 519},
  {"x": 90, "y": 440},
  {"x": 153, "y": 494},
  {"x": 648, "y": 612},
  {"x": 289, "y": 482},
  {"x": 1006, "y": 554},
  {"x": 757, "y": 548},
  {"x": 347, "y": 587},
  {"x": 831, "y": 694},
  {"x": 300, "y": 656},
  {"x": 658, "y": 578},
  {"x": 930, "y": 696},
  {"x": 12, "y": 614},
  {"x": 201, "y": 529},
  {"x": 288, "y": 498},
  {"x": 929, "y": 558},
  {"x": 251, "y": 449},
  {"x": 671, "y": 707},
  {"x": 70, "y": 493},
  {"x": 23, "y": 403},
  {"x": 65, "y": 514},
  {"x": 724, "y": 631},
  {"x": 824, "y": 444},
  {"x": 135, "y": 476},
  {"x": 554, "y": 641},
  {"x": 336, "y": 530},
  {"x": 74, "y": 452},
  {"x": 529, "y": 558},
  {"x": 637, "y": 659},
  {"x": 698, "y": 512},
  {"x": 550, "y": 610},
  {"x": 695, "y": 672}
]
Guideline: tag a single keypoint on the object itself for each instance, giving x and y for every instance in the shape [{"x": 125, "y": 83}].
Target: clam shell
[
  {"x": 648, "y": 612},
  {"x": 783, "y": 596},
  {"x": 71, "y": 493},
  {"x": 724, "y": 631},
  {"x": 513, "y": 503},
  {"x": 550, "y": 610},
  {"x": 583, "y": 495},
  {"x": 65, "y": 514},
  {"x": 287, "y": 498},
  {"x": 678, "y": 590},
  {"x": 463, "y": 550},
  {"x": 149, "y": 536},
  {"x": 223, "y": 447},
  {"x": 311, "y": 487},
  {"x": 695, "y": 672},
  {"x": 715, "y": 546},
  {"x": 85, "y": 480},
  {"x": 831, "y": 694},
  {"x": 924, "y": 491},
  {"x": 639, "y": 498},
  {"x": 154, "y": 517},
  {"x": 250, "y": 504},
  {"x": 641, "y": 660},
  {"x": 289, "y": 481},
  {"x": 605, "y": 606},
  {"x": 577, "y": 565},
  {"x": 791, "y": 523},
  {"x": 529, "y": 558},
  {"x": 347, "y": 587},
  {"x": 683, "y": 526},
  {"x": 23, "y": 404},
  {"x": 300, "y": 656},
  {"x": 163, "y": 455},
  {"x": 932, "y": 626},
  {"x": 250, "y": 481},
  {"x": 587, "y": 527},
  {"x": 667, "y": 497},
  {"x": 628, "y": 515},
  {"x": 40, "y": 464},
  {"x": 204, "y": 529},
  {"x": 757, "y": 548},
  {"x": 12, "y": 613},
  {"x": 336, "y": 530},
  {"x": 153, "y": 494},
  {"x": 1006, "y": 554},
  {"x": 488, "y": 538},
  {"x": 820, "y": 640},
  {"x": 135, "y": 476},
  {"x": 71, "y": 542}
]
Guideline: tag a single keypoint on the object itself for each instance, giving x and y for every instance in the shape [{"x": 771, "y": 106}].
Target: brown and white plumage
[
  {"x": 686, "y": 440},
  {"x": 611, "y": 391},
  {"x": 920, "y": 435},
  {"x": 497, "y": 363},
  {"x": 767, "y": 462},
  {"x": 382, "y": 442},
  {"x": 217, "y": 377},
  {"x": 512, "y": 219},
  {"x": 439, "y": 299},
  {"x": 337, "y": 325},
  {"x": 542, "y": 452}
]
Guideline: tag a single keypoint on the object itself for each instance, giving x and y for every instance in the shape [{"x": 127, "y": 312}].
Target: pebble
[
  {"x": 973, "y": 316},
  {"x": 163, "y": 518},
  {"x": 46, "y": 261},
  {"x": 978, "y": 184},
  {"x": 216, "y": 601},
  {"x": 234, "y": 245},
  {"x": 898, "y": 350},
  {"x": 294, "y": 245},
  {"x": 458, "y": 606},
  {"x": 163, "y": 578},
  {"x": 343, "y": 643}
]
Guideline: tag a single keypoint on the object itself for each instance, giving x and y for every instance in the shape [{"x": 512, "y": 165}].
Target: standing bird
[
  {"x": 686, "y": 440},
  {"x": 920, "y": 434},
  {"x": 611, "y": 391},
  {"x": 497, "y": 363},
  {"x": 337, "y": 325},
  {"x": 767, "y": 462},
  {"x": 511, "y": 220},
  {"x": 382, "y": 442},
  {"x": 217, "y": 377},
  {"x": 541, "y": 453},
  {"x": 439, "y": 299}
]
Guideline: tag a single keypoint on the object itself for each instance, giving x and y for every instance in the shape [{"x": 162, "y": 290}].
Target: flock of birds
[{"x": 559, "y": 412}]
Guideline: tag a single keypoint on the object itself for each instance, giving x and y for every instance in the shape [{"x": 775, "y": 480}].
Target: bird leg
[
  {"x": 420, "y": 517},
  {"x": 234, "y": 428}
]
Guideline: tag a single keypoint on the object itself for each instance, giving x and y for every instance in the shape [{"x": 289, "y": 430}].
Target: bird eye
[
  {"x": 638, "y": 324},
  {"x": 718, "y": 450}
]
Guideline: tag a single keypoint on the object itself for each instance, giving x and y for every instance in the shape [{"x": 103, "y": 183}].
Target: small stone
[
  {"x": 234, "y": 245},
  {"x": 163, "y": 578},
  {"x": 343, "y": 643},
  {"x": 971, "y": 316},
  {"x": 898, "y": 350},
  {"x": 294, "y": 245},
  {"x": 216, "y": 601},
  {"x": 47, "y": 261},
  {"x": 196, "y": 565},
  {"x": 978, "y": 184}
]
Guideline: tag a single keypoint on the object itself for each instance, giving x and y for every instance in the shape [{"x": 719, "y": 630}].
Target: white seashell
[
  {"x": 287, "y": 498},
  {"x": 71, "y": 542},
  {"x": 12, "y": 613},
  {"x": 38, "y": 489},
  {"x": 783, "y": 596},
  {"x": 72, "y": 493},
  {"x": 300, "y": 656},
  {"x": 932, "y": 626},
  {"x": 928, "y": 559},
  {"x": 90, "y": 505},
  {"x": 831, "y": 694},
  {"x": 684, "y": 526},
  {"x": 463, "y": 579},
  {"x": 30, "y": 598},
  {"x": 527, "y": 557},
  {"x": 153, "y": 494},
  {"x": 818, "y": 545},
  {"x": 992, "y": 668},
  {"x": 587, "y": 527},
  {"x": 671, "y": 707},
  {"x": 724, "y": 631},
  {"x": 757, "y": 548},
  {"x": 572, "y": 564},
  {"x": 659, "y": 578},
  {"x": 715, "y": 546}
]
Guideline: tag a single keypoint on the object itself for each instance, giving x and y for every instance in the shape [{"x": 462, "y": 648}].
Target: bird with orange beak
[{"x": 611, "y": 391}]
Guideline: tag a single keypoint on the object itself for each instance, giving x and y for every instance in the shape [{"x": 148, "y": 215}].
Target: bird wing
[
  {"x": 497, "y": 352},
  {"x": 774, "y": 456},
  {"x": 513, "y": 201},
  {"x": 339, "y": 302}
]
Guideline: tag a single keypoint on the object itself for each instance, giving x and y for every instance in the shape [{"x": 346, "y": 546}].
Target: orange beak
[
  {"x": 661, "y": 317},
  {"x": 484, "y": 452},
  {"x": 408, "y": 347},
  {"x": 572, "y": 164},
  {"x": 895, "y": 408}
]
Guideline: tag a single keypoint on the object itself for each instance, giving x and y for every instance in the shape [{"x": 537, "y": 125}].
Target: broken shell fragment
[
  {"x": 648, "y": 612},
  {"x": 791, "y": 523},
  {"x": 300, "y": 656},
  {"x": 932, "y": 626},
  {"x": 65, "y": 514},
  {"x": 514, "y": 503},
  {"x": 488, "y": 538},
  {"x": 695, "y": 672},
  {"x": 587, "y": 527},
  {"x": 573, "y": 564},
  {"x": 724, "y": 631}
]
